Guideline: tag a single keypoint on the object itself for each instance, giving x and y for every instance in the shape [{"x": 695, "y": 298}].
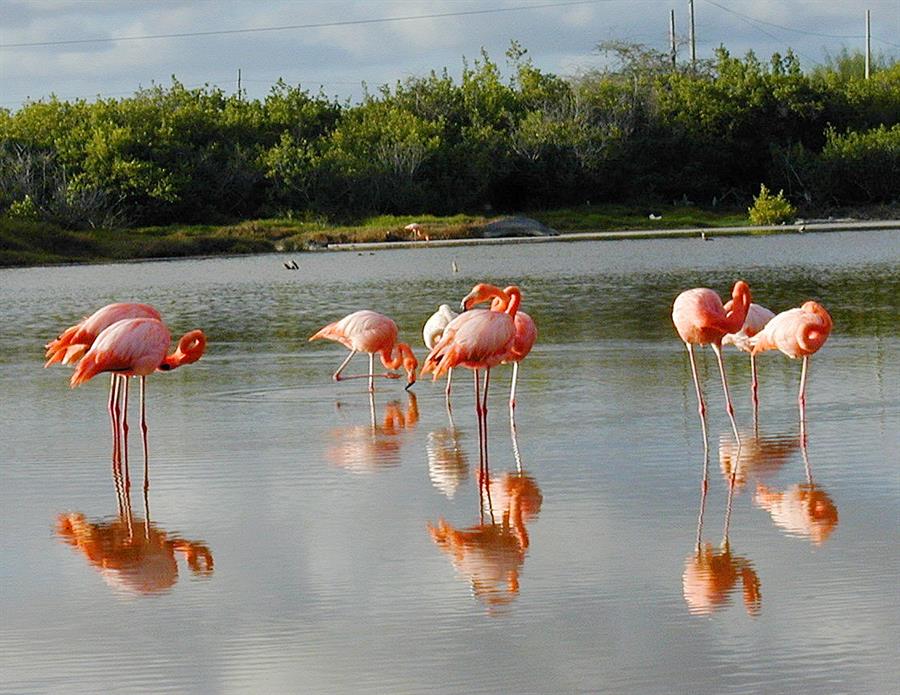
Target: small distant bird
[
  {"x": 757, "y": 318},
  {"x": 700, "y": 318},
  {"x": 434, "y": 329},
  {"x": 454, "y": 266},
  {"x": 292, "y": 265},
  {"x": 418, "y": 230},
  {"x": 799, "y": 332},
  {"x": 655, "y": 217},
  {"x": 371, "y": 332}
]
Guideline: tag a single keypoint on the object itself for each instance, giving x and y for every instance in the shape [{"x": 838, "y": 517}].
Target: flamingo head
[
  {"x": 190, "y": 349},
  {"x": 410, "y": 363},
  {"x": 483, "y": 292}
]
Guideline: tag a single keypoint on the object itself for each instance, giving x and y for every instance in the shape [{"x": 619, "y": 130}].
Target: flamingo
[
  {"x": 700, "y": 318},
  {"x": 526, "y": 334},
  {"x": 796, "y": 332},
  {"x": 477, "y": 339},
  {"x": 434, "y": 329},
  {"x": 371, "y": 332},
  {"x": 757, "y": 318},
  {"x": 137, "y": 347},
  {"x": 73, "y": 342}
]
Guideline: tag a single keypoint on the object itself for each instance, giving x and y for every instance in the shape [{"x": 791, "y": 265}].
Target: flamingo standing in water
[
  {"x": 371, "y": 332},
  {"x": 434, "y": 329},
  {"x": 73, "y": 342},
  {"x": 757, "y": 318},
  {"x": 700, "y": 318},
  {"x": 137, "y": 347},
  {"x": 796, "y": 332},
  {"x": 526, "y": 334},
  {"x": 478, "y": 339}
]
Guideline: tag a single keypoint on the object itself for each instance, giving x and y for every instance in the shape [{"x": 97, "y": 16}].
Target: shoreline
[
  {"x": 686, "y": 232},
  {"x": 612, "y": 235}
]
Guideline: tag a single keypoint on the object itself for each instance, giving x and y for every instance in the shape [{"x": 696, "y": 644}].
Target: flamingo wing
[{"x": 130, "y": 346}]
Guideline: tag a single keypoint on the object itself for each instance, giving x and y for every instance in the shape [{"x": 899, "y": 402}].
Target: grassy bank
[{"x": 36, "y": 243}]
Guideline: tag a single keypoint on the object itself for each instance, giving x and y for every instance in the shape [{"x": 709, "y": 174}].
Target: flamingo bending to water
[
  {"x": 796, "y": 333},
  {"x": 137, "y": 347},
  {"x": 371, "y": 332},
  {"x": 700, "y": 318},
  {"x": 76, "y": 340}
]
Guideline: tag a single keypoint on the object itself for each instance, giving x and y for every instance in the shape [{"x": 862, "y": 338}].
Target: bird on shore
[
  {"x": 477, "y": 339},
  {"x": 798, "y": 332},
  {"x": 700, "y": 318},
  {"x": 757, "y": 318},
  {"x": 371, "y": 332},
  {"x": 137, "y": 347},
  {"x": 434, "y": 329}
]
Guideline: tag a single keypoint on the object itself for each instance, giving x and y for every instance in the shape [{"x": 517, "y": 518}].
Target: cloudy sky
[{"x": 81, "y": 49}]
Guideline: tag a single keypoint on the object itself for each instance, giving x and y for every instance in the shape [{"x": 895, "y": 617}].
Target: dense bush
[
  {"x": 771, "y": 209},
  {"x": 640, "y": 129}
]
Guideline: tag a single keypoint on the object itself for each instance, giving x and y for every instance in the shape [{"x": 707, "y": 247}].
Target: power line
[
  {"x": 315, "y": 25},
  {"x": 806, "y": 32}
]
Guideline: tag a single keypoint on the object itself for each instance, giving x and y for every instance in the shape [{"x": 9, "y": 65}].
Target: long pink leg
[
  {"x": 728, "y": 406},
  {"x": 337, "y": 375},
  {"x": 480, "y": 445},
  {"x": 113, "y": 407},
  {"x": 370, "y": 376},
  {"x": 144, "y": 431},
  {"x": 487, "y": 469},
  {"x": 449, "y": 382},
  {"x": 754, "y": 393},
  {"x": 801, "y": 398},
  {"x": 512, "y": 389},
  {"x": 701, "y": 408}
]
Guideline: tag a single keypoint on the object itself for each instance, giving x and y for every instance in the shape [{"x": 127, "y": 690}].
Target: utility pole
[
  {"x": 868, "y": 43},
  {"x": 693, "y": 37},
  {"x": 239, "y": 84},
  {"x": 672, "y": 54}
]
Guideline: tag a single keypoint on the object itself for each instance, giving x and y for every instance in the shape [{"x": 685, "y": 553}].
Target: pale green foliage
[{"x": 771, "y": 209}]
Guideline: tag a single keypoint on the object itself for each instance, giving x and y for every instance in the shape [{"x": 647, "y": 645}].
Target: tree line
[{"x": 641, "y": 129}]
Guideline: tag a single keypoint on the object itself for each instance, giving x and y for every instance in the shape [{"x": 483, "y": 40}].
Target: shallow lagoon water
[{"x": 304, "y": 539}]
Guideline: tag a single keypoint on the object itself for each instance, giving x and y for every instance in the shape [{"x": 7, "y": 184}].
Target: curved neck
[
  {"x": 515, "y": 299},
  {"x": 392, "y": 361},
  {"x": 190, "y": 349},
  {"x": 736, "y": 309}
]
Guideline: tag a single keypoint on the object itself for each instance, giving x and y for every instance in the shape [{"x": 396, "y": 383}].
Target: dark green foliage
[{"x": 641, "y": 129}]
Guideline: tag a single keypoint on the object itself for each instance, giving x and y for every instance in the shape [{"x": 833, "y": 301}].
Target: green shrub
[{"x": 771, "y": 209}]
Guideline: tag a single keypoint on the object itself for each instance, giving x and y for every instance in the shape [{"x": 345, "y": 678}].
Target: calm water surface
[{"x": 297, "y": 537}]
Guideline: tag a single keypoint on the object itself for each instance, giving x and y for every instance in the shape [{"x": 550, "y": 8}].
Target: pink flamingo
[
  {"x": 796, "y": 332},
  {"x": 137, "y": 347},
  {"x": 371, "y": 332},
  {"x": 701, "y": 318},
  {"x": 73, "y": 342},
  {"x": 478, "y": 339},
  {"x": 757, "y": 318},
  {"x": 526, "y": 334}
]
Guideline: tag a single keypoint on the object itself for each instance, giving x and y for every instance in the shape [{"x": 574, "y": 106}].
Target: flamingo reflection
[
  {"x": 758, "y": 456},
  {"x": 133, "y": 555},
  {"x": 367, "y": 448},
  {"x": 804, "y": 509},
  {"x": 447, "y": 462},
  {"x": 712, "y": 573},
  {"x": 490, "y": 555}
]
